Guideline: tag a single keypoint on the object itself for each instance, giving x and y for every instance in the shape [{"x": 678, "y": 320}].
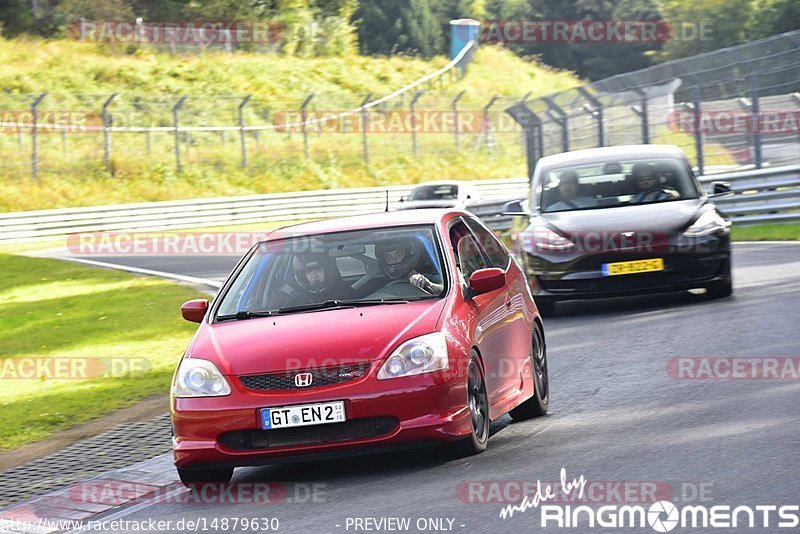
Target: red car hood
[{"x": 312, "y": 339}]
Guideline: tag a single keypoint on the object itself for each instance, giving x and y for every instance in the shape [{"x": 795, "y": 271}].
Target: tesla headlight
[
  {"x": 708, "y": 223},
  {"x": 422, "y": 354},
  {"x": 199, "y": 378},
  {"x": 543, "y": 238}
]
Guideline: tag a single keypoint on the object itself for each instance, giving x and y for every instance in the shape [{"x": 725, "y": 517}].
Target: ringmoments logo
[{"x": 661, "y": 516}]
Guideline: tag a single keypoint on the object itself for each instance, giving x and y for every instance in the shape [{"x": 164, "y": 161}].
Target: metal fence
[
  {"x": 737, "y": 105},
  {"x": 733, "y": 107}
]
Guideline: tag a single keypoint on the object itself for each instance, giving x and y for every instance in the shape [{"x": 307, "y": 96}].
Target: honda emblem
[{"x": 303, "y": 380}]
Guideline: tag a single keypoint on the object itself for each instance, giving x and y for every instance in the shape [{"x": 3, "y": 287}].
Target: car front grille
[
  {"x": 309, "y": 435},
  {"x": 323, "y": 376}
]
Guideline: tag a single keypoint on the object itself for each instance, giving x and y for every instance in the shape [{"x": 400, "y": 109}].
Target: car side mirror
[
  {"x": 721, "y": 188},
  {"x": 194, "y": 310},
  {"x": 514, "y": 208},
  {"x": 486, "y": 280},
  {"x": 402, "y": 199}
]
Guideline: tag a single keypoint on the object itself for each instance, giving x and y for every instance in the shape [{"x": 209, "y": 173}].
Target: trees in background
[
  {"x": 421, "y": 27},
  {"x": 391, "y": 26}
]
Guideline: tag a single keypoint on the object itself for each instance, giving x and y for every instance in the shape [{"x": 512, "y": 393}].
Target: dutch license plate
[
  {"x": 302, "y": 415},
  {"x": 633, "y": 267}
]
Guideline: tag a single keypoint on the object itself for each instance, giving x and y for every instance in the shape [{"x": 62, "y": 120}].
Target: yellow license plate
[{"x": 633, "y": 267}]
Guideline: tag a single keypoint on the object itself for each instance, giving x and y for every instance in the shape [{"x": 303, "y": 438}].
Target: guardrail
[
  {"x": 766, "y": 195},
  {"x": 197, "y": 213}
]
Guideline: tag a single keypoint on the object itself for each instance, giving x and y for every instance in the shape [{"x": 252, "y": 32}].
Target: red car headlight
[
  {"x": 423, "y": 354},
  {"x": 199, "y": 378}
]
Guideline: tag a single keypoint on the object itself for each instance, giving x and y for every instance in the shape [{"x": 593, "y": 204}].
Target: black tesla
[{"x": 619, "y": 221}]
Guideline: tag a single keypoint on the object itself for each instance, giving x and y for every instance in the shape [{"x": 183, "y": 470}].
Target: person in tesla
[
  {"x": 650, "y": 188},
  {"x": 568, "y": 189}
]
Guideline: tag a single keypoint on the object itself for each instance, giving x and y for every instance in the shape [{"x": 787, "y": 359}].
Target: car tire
[
  {"x": 722, "y": 288},
  {"x": 191, "y": 477},
  {"x": 478, "y": 406},
  {"x": 547, "y": 308},
  {"x": 539, "y": 403}
]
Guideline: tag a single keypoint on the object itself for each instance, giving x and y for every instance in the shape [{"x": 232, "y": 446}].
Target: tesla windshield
[
  {"x": 610, "y": 184},
  {"x": 354, "y": 268}
]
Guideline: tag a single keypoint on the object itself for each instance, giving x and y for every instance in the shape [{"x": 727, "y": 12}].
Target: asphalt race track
[{"x": 617, "y": 417}]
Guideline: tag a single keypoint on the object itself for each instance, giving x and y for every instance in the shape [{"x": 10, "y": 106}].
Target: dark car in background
[{"x": 618, "y": 221}]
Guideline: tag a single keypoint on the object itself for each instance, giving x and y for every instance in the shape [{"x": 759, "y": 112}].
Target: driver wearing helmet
[{"x": 399, "y": 259}]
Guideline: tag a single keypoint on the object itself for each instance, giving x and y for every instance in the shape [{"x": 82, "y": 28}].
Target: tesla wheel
[
  {"x": 191, "y": 477},
  {"x": 722, "y": 288},
  {"x": 478, "y": 405},
  {"x": 538, "y": 404}
]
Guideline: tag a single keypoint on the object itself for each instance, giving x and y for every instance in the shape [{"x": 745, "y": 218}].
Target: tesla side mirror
[
  {"x": 194, "y": 310},
  {"x": 514, "y": 208},
  {"x": 486, "y": 280},
  {"x": 721, "y": 188}
]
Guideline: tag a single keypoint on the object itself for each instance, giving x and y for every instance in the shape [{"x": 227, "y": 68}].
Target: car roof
[
  {"x": 440, "y": 182},
  {"x": 611, "y": 152},
  {"x": 366, "y": 221}
]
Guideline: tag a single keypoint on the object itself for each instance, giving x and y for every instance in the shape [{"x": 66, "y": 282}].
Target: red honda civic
[{"x": 355, "y": 334}]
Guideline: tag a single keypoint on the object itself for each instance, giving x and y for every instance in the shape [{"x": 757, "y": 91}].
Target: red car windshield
[{"x": 343, "y": 268}]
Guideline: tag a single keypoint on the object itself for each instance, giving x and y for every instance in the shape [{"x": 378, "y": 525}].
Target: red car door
[
  {"x": 489, "y": 312},
  {"x": 517, "y": 316}
]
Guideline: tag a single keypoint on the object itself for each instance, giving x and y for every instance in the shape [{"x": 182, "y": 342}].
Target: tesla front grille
[
  {"x": 324, "y": 376},
  {"x": 309, "y": 435}
]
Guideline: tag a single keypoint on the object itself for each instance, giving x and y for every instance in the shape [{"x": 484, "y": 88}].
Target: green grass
[
  {"x": 789, "y": 231},
  {"x": 79, "y": 76},
  {"x": 50, "y": 308}
]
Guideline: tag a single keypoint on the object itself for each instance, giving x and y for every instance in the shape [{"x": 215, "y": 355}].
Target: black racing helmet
[
  {"x": 397, "y": 257},
  {"x": 303, "y": 263}
]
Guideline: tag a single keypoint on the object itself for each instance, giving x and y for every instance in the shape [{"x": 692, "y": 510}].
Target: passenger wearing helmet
[
  {"x": 316, "y": 279},
  {"x": 399, "y": 259},
  {"x": 649, "y": 183}
]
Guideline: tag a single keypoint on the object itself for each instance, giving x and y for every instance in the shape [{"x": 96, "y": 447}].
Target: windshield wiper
[
  {"x": 245, "y": 314},
  {"x": 326, "y": 305},
  {"x": 331, "y": 304}
]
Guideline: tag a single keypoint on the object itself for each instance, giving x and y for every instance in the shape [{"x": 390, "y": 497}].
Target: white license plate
[{"x": 302, "y": 415}]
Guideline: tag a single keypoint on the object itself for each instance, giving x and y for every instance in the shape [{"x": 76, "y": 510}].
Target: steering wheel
[{"x": 408, "y": 290}]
